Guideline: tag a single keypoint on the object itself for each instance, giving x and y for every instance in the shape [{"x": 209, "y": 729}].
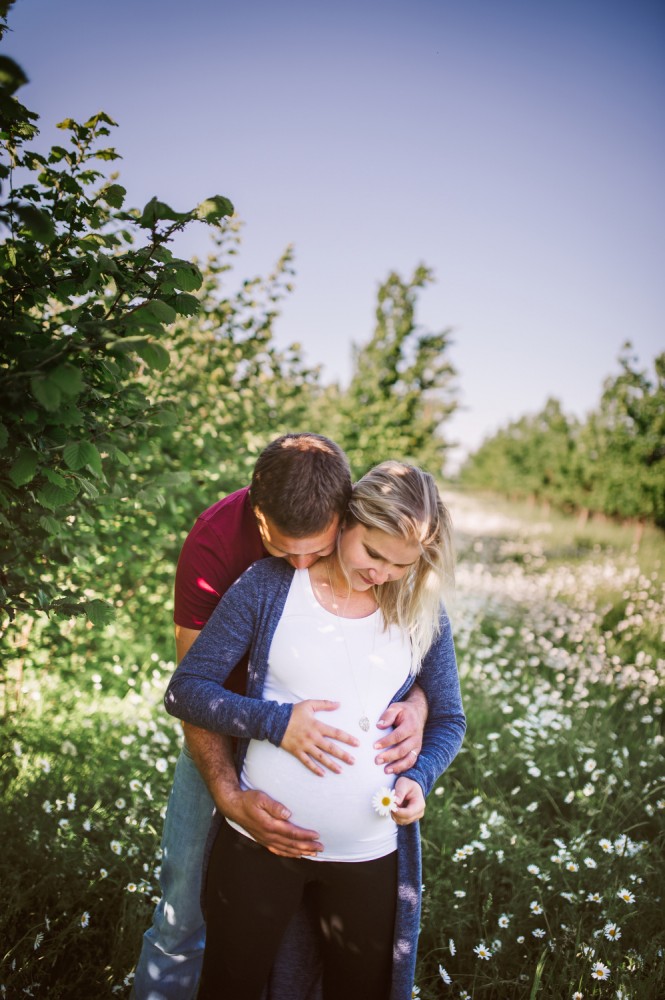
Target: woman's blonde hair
[{"x": 404, "y": 501}]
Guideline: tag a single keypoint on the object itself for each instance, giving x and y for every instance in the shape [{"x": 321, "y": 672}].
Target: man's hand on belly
[
  {"x": 267, "y": 822},
  {"x": 401, "y": 747}
]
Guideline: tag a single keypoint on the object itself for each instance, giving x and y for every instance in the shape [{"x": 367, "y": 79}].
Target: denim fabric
[{"x": 172, "y": 955}]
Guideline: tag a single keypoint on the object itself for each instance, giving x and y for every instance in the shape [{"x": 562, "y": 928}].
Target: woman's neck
[{"x": 334, "y": 592}]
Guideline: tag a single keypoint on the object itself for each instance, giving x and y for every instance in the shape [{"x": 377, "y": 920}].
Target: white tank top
[{"x": 316, "y": 654}]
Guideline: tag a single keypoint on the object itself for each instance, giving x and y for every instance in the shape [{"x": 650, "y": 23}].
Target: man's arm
[
  {"x": 264, "y": 819},
  {"x": 403, "y": 745}
]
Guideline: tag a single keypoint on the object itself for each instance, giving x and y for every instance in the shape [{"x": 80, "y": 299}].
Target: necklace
[{"x": 363, "y": 721}]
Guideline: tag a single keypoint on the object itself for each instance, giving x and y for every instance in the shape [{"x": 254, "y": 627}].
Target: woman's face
[{"x": 372, "y": 557}]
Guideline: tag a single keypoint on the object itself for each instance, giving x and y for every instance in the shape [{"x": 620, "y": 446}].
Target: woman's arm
[
  {"x": 446, "y": 722},
  {"x": 196, "y": 694}
]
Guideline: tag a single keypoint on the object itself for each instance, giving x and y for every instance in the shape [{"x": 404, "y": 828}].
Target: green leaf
[
  {"x": 45, "y": 392},
  {"x": 24, "y": 467},
  {"x": 162, "y": 312},
  {"x": 58, "y": 153},
  {"x": 107, "y": 265},
  {"x": 164, "y": 418},
  {"x": 50, "y": 525},
  {"x": 114, "y": 195},
  {"x": 68, "y": 379},
  {"x": 101, "y": 116},
  {"x": 162, "y": 254},
  {"x": 156, "y": 211},
  {"x": 89, "y": 488},
  {"x": 82, "y": 453},
  {"x": 154, "y": 355},
  {"x": 55, "y": 478},
  {"x": 187, "y": 277},
  {"x": 4, "y": 436},
  {"x": 64, "y": 606},
  {"x": 213, "y": 209},
  {"x": 126, "y": 344},
  {"x": 186, "y": 305},
  {"x": 52, "y": 496},
  {"x": 107, "y": 154},
  {"x": 115, "y": 454},
  {"x": 99, "y": 612},
  {"x": 11, "y": 75},
  {"x": 38, "y": 224}
]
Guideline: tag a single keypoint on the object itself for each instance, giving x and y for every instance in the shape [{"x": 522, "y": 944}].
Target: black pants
[{"x": 252, "y": 894}]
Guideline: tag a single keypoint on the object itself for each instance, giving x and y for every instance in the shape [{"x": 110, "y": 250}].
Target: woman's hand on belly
[
  {"x": 312, "y": 742},
  {"x": 409, "y": 802}
]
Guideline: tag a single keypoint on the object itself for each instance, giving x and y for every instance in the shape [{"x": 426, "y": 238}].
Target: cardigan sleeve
[
  {"x": 446, "y": 722},
  {"x": 196, "y": 693}
]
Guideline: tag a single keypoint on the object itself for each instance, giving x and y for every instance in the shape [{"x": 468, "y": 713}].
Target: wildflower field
[{"x": 543, "y": 844}]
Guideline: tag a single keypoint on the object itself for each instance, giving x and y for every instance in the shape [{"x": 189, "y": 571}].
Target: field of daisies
[{"x": 543, "y": 845}]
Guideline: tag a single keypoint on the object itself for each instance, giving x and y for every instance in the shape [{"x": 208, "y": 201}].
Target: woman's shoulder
[{"x": 266, "y": 573}]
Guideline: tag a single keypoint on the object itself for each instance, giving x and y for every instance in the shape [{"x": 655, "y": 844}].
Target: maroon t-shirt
[{"x": 224, "y": 541}]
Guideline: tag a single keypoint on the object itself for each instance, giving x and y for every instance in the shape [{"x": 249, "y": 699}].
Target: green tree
[
  {"x": 402, "y": 387},
  {"x": 622, "y": 445},
  {"x": 87, "y": 292},
  {"x": 612, "y": 464}
]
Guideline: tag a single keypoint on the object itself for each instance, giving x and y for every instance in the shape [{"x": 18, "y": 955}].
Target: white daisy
[
  {"x": 600, "y": 971},
  {"x": 482, "y": 951},
  {"x": 85, "y": 919},
  {"x": 444, "y": 975},
  {"x": 627, "y": 896},
  {"x": 612, "y": 932},
  {"x": 383, "y": 801},
  {"x": 577, "y": 995}
]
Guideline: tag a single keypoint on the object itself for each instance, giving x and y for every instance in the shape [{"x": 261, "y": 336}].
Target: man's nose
[{"x": 302, "y": 562}]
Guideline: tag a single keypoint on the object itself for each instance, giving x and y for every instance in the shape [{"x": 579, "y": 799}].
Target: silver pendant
[{"x": 363, "y": 722}]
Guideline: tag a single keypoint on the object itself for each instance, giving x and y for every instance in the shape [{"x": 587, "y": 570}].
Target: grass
[
  {"x": 543, "y": 845},
  {"x": 555, "y": 805}
]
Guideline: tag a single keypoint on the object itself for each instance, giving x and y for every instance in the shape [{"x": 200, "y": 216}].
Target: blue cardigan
[{"x": 246, "y": 619}]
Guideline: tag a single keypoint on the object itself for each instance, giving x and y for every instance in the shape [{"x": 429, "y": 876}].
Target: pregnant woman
[{"x": 346, "y": 636}]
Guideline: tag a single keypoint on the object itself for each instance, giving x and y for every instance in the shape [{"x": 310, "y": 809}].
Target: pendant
[{"x": 363, "y": 722}]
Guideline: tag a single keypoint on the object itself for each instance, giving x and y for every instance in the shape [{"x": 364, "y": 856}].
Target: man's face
[{"x": 301, "y": 553}]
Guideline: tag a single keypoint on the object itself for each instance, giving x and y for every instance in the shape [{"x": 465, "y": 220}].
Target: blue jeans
[{"x": 169, "y": 965}]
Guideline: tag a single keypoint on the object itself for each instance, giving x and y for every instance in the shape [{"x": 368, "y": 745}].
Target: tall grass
[{"x": 543, "y": 844}]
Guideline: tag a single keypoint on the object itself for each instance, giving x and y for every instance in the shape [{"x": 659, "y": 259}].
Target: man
[{"x": 293, "y": 510}]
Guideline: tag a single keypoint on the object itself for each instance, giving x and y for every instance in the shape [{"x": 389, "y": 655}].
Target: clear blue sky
[{"x": 517, "y": 148}]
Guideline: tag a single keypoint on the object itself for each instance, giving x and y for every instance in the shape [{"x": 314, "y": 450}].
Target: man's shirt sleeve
[{"x": 203, "y": 576}]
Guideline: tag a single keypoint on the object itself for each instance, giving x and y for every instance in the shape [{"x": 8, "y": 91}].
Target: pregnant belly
[{"x": 338, "y": 806}]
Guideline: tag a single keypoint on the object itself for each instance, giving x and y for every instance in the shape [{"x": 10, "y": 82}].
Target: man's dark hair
[{"x": 301, "y": 481}]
